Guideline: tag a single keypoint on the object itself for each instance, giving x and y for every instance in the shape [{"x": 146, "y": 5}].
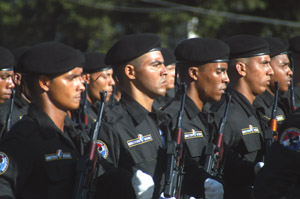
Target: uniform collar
[
  {"x": 268, "y": 98},
  {"x": 243, "y": 101},
  {"x": 191, "y": 109},
  {"x": 137, "y": 111}
]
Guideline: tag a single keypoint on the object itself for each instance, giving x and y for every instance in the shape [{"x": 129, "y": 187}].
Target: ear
[
  {"x": 44, "y": 82},
  {"x": 193, "y": 72},
  {"x": 86, "y": 77},
  {"x": 241, "y": 68},
  {"x": 17, "y": 78},
  {"x": 130, "y": 71}
]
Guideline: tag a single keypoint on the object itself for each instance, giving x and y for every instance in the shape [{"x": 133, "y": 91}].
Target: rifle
[
  {"x": 175, "y": 163},
  {"x": 271, "y": 133},
  {"x": 292, "y": 92},
  {"x": 11, "y": 108},
  {"x": 214, "y": 152},
  {"x": 87, "y": 166}
]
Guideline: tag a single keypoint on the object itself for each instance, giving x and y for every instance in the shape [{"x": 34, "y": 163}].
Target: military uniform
[
  {"x": 38, "y": 160},
  {"x": 280, "y": 176},
  {"x": 130, "y": 135},
  {"x": 19, "y": 110},
  {"x": 264, "y": 104},
  {"x": 137, "y": 133},
  {"x": 198, "y": 129},
  {"x": 244, "y": 136}
]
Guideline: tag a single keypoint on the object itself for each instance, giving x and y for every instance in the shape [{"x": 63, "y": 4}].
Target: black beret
[
  {"x": 169, "y": 56},
  {"x": 51, "y": 58},
  {"x": 18, "y": 52},
  {"x": 6, "y": 59},
  {"x": 243, "y": 46},
  {"x": 200, "y": 51},
  {"x": 277, "y": 46},
  {"x": 295, "y": 44},
  {"x": 94, "y": 62},
  {"x": 130, "y": 47}
]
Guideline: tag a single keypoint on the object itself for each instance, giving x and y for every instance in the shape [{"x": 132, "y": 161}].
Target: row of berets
[{"x": 49, "y": 95}]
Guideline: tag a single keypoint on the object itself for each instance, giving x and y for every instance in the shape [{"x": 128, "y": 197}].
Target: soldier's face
[
  {"x": 212, "y": 80},
  {"x": 151, "y": 75},
  {"x": 282, "y": 72},
  {"x": 6, "y": 84},
  {"x": 65, "y": 90},
  {"x": 258, "y": 74},
  {"x": 100, "y": 81}
]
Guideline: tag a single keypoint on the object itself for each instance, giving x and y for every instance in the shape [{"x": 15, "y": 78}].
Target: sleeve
[{"x": 15, "y": 167}]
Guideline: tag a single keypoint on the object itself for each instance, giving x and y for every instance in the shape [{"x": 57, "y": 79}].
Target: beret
[
  {"x": 94, "y": 62},
  {"x": 18, "y": 52},
  {"x": 201, "y": 51},
  {"x": 50, "y": 58},
  {"x": 130, "y": 47},
  {"x": 295, "y": 44},
  {"x": 168, "y": 56},
  {"x": 277, "y": 46},
  {"x": 6, "y": 59},
  {"x": 243, "y": 46}
]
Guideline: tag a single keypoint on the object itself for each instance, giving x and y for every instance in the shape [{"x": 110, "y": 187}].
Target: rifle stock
[
  {"x": 87, "y": 166},
  {"x": 214, "y": 152},
  {"x": 175, "y": 163}
]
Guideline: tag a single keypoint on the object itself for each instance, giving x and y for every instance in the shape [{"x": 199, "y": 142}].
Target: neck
[
  {"x": 243, "y": 88},
  {"x": 194, "y": 95}
]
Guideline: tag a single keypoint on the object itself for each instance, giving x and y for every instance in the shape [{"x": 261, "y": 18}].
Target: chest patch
[
  {"x": 141, "y": 139},
  {"x": 4, "y": 162},
  {"x": 59, "y": 155},
  {"x": 193, "y": 134},
  {"x": 290, "y": 139},
  {"x": 250, "y": 130}
]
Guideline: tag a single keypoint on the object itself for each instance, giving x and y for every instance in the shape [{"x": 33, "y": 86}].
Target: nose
[
  {"x": 289, "y": 72},
  {"x": 164, "y": 70},
  {"x": 270, "y": 71},
  {"x": 226, "y": 78},
  {"x": 81, "y": 84},
  {"x": 112, "y": 81},
  {"x": 10, "y": 83}
]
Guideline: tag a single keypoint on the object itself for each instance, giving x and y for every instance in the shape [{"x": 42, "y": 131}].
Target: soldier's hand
[
  {"x": 143, "y": 185},
  {"x": 213, "y": 189}
]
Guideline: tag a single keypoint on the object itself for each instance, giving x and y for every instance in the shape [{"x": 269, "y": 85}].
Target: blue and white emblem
[
  {"x": 102, "y": 149},
  {"x": 290, "y": 139},
  {"x": 4, "y": 161}
]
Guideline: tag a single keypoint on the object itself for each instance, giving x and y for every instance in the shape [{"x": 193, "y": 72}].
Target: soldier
[
  {"x": 280, "y": 176},
  {"x": 6, "y": 84},
  {"x": 250, "y": 73},
  {"x": 133, "y": 135},
  {"x": 99, "y": 77},
  {"x": 202, "y": 65},
  {"x": 170, "y": 62},
  {"x": 282, "y": 74},
  {"x": 39, "y": 154}
]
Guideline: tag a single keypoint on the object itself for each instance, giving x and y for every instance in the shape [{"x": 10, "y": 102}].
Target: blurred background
[{"x": 95, "y": 25}]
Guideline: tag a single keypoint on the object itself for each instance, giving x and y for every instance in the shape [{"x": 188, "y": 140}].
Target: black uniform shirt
[
  {"x": 198, "y": 129},
  {"x": 243, "y": 132},
  {"x": 130, "y": 139},
  {"x": 37, "y": 159},
  {"x": 264, "y": 104},
  {"x": 20, "y": 109}
]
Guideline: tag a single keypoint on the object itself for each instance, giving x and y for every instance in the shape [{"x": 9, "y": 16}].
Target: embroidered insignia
[
  {"x": 193, "y": 134},
  {"x": 139, "y": 140},
  {"x": 4, "y": 162},
  {"x": 280, "y": 118},
  {"x": 290, "y": 138},
  {"x": 57, "y": 156},
  {"x": 250, "y": 130},
  {"x": 102, "y": 149}
]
